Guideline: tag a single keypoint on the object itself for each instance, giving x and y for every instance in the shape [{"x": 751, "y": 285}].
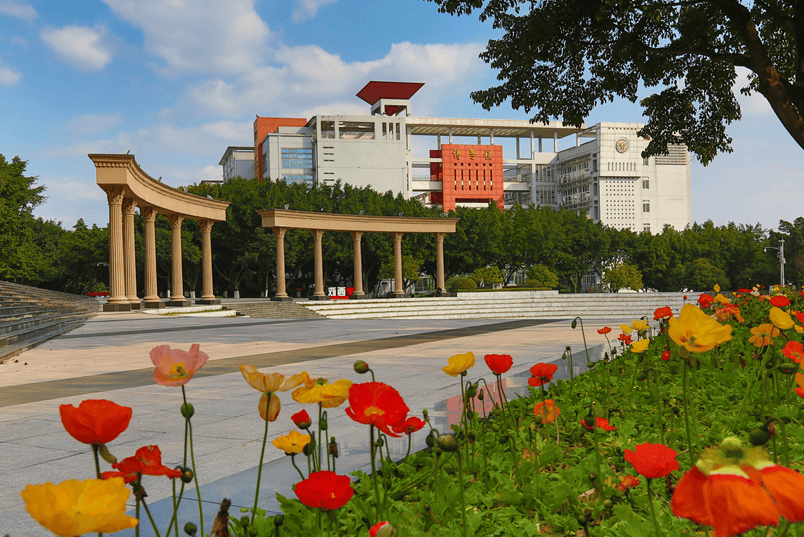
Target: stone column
[
  {"x": 358, "y": 278},
  {"x": 177, "y": 285},
  {"x": 151, "y": 299},
  {"x": 208, "y": 296},
  {"x": 129, "y": 255},
  {"x": 281, "y": 291},
  {"x": 399, "y": 283},
  {"x": 319, "y": 294},
  {"x": 439, "y": 237},
  {"x": 117, "y": 281}
]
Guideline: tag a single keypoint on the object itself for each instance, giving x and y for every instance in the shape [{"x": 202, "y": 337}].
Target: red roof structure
[{"x": 376, "y": 90}]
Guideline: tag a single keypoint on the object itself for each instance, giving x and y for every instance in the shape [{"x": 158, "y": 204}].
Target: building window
[
  {"x": 298, "y": 178},
  {"x": 645, "y": 206},
  {"x": 645, "y": 184},
  {"x": 297, "y": 157},
  {"x": 646, "y": 228}
]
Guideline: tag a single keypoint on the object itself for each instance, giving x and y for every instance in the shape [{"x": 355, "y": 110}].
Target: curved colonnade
[{"x": 128, "y": 187}]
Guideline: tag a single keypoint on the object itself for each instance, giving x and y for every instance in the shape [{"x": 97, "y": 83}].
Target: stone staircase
[
  {"x": 30, "y": 316},
  {"x": 504, "y": 304},
  {"x": 273, "y": 310}
]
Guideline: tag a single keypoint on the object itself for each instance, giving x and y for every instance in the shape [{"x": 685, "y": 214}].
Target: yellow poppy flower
[
  {"x": 799, "y": 329},
  {"x": 696, "y": 331},
  {"x": 458, "y": 364},
  {"x": 292, "y": 443},
  {"x": 625, "y": 328},
  {"x": 321, "y": 392},
  {"x": 269, "y": 411},
  {"x": 640, "y": 346},
  {"x": 763, "y": 335},
  {"x": 781, "y": 319},
  {"x": 640, "y": 325},
  {"x": 716, "y": 288},
  {"x": 271, "y": 383},
  {"x": 720, "y": 299},
  {"x": 77, "y": 507}
]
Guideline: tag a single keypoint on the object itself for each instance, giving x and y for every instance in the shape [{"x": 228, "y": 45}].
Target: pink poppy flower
[{"x": 175, "y": 367}]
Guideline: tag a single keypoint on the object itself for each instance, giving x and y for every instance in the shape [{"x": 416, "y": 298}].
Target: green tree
[
  {"x": 84, "y": 255},
  {"x": 486, "y": 276},
  {"x": 562, "y": 58},
  {"x": 541, "y": 276},
  {"x": 701, "y": 275},
  {"x": 622, "y": 276}
]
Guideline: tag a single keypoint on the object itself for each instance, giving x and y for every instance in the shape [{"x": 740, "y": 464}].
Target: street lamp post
[{"x": 780, "y": 255}]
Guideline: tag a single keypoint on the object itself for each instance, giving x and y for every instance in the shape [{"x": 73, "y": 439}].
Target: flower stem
[
  {"x": 687, "y": 415},
  {"x": 153, "y": 524},
  {"x": 192, "y": 459},
  {"x": 374, "y": 484},
  {"x": 653, "y": 511},
  {"x": 95, "y": 449},
  {"x": 460, "y": 488},
  {"x": 259, "y": 469},
  {"x": 293, "y": 462}
]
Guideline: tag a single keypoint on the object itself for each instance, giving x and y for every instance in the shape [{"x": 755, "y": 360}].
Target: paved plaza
[{"x": 108, "y": 358}]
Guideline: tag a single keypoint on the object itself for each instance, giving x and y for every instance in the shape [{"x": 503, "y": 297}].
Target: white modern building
[
  {"x": 459, "y": 161},
  {"x": 238, "y": 161}
]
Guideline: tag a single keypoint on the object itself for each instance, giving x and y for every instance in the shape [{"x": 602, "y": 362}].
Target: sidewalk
[{"x": 108, "y": 359}]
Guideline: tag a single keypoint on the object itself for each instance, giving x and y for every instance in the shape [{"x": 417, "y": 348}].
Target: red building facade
[{"x": 468, "y": 173}]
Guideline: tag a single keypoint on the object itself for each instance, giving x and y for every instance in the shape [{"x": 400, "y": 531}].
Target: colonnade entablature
[
  {"x": 127, "y": 187},
  {"x": 317, "y": 223}
]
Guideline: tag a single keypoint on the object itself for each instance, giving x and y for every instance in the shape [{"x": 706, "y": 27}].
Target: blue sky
[{"x": 176, "y": 82}]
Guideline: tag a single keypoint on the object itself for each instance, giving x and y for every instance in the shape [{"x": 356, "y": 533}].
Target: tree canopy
[{"x": 561, "y": 58}]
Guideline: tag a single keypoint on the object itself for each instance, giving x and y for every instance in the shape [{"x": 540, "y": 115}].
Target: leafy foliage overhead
[{"x": 561, "y": 58}]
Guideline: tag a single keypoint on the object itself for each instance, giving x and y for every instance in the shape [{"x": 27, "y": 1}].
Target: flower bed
[{"x": 692, "y": 425}]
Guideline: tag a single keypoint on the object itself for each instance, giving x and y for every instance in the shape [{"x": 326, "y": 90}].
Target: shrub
[
  {"x": 461, "y": 284},
  {"x": 486, "y": 276},
  {"x": 541, "y": 276},
  {"x": 623, "y": 276}
]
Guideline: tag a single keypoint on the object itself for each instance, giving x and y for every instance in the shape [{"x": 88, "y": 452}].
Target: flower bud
[
  {"x": 574, "y": 323},
  {"x": 361, "y": 367},
  {"x": 464, "y": 373},
  {"x": 589, "y": 420},
  {"x": 244, "y": 520},
  {"x": 333, "y": 448},
  {"x": 190, "y": 529},
  {"x": 480, "y": 395},
  {"x": 608, "y": 504},
  {"x": 103, "y": 451},
  {"x": 504, "y": 439},
  {"x": 642, "y": 375},
  {"x": 788, "y": 368},
  {"x": 448, "y": 442},
  {"x": 279, "y": 520},
  {"x": 323, "y": 424},
  {"x": 592, "y": 477},
  {"x": 379, "y": 442},
  {"x": 471, "y": 391},
  {"x": 425, "y": 413},
  {"x": 252, "y": 531},
  {"x": 431, "y": 439},
  {"x": 758, "y": 437},
  {"x": 187, "y": 410},
  {"x": 383, "y": 529},
  {"x": 186, "y": 474},
  {"x": 539, "y": 419}
]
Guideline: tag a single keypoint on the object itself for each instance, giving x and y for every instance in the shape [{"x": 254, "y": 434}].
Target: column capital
[
  {"x": 148, "y": 214},
  {"x": 206, "y": 225},
  {"x": 356, "y": 235},
  {"x": 397, "y": 236},
  {"x": 439, "y": 237},
  {"x": 115, "y": 195},
  {"x": 129, "y": 206},
  {"x": 175, "y": 220},
  {"x": 280, "y": 232},
  {"x": 318, "y": 234}
]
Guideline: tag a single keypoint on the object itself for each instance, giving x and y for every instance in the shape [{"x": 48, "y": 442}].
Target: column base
[
  {"x": 208, "y": 301},
  {"x": 135, "y": 305},
  {"x": 398, "y": 295},
  {"x": 281, "y": 299},
  {"x": 178, "y": 303},
  {"x": 117, "y": 307},
  {"x": 319, "y": 297},
  {"x": 153, "y": 304},
  {"x": 355, "y": 296}
]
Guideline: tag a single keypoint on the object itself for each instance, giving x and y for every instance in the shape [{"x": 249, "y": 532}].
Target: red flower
[
  {"x": 800, "y": 392},
  {"x": 600, "y": 423},
  {"x": 603, "y": 331},
  {"x": 382, "y": 529},
  {"x": 499, "y": 363},
  {"x": 146, "y": 461},
  {"x": 410, "y": 425},
  {"x": 325, "y": 490},
  {"x": 794, "y": 350},
  {"x": 745, "y": 291},
  {"x": 780, "y": 301},
  {"x": 542, "y": 374},
  {"x": 95, "y": 421},
  {"x": 547, "y": 410},
  {"x": 666, "y": 355},
  {"x": 705, "y": 300},
  {"x": 662, "y": 313},
  {"x": 625, "y": 338},
  {"x": 302, "y": 419},
  {"x": 652, "y": 460},
  {"x": 378, "y": 404},
  {"x": 685, "y": 297},
  {"x": 799, "y": 315},
  {"x": 627, "y": 482}
]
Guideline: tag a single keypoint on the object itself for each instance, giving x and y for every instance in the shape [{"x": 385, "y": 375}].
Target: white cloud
[
  {"x": 309, "y": 78},
  {"x": 306, "y": 9},
  {"x": 15, "y": 8},
  {"x": 9, "y": 76},
  {"x": 80, "y": 46},
  {"x": 206, "y": 36},
  {"x": 755, "y": 104},
  {"x": 90, "y": 124}
]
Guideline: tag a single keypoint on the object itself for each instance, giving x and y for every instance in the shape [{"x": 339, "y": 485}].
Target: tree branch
[{"x": 742, "y": 60}]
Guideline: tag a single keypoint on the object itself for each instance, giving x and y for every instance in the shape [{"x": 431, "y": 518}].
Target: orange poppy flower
[
  {"x": 603, "y": 331},
  {"x": 763, "y": 335},
  {"x": 325, "y": 489},
  {"x": 600, "y": 423},
  {"x": 95, "y": 421},
  {"x": 780, "y": 301},
  {"x": 542, "y": 374},
  {"x": 499, "y": 363},
  {"x": 794, "y": 350},
  {"x": 409, "y": 426},
  {"x": 175, "y": 367},
  {"x": 652, "y": 460},
  {"x": 378, "y": 404},
  {"x": 547, "y": 410},
  {"x": 627, "y": 482},
  {"x": 274, "y": 382},
  {"x": 625, "y": 338},
  {"x": 705, "y": 300},
  {"x": 146, "y": 461},
  {"x": 662, "y": 313}
]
